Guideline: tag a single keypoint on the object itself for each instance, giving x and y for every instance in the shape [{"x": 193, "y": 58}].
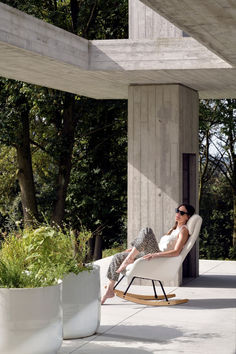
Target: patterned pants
[{"x": 145, "y": 243}]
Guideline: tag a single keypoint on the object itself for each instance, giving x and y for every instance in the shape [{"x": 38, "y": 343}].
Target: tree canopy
[{"x": 217, "y": 182}]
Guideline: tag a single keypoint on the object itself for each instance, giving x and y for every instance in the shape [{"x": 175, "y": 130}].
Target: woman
[{"x": 146, "y": 246}]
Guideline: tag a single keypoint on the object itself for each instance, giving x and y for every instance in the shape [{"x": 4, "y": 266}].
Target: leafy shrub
[
  {"x": 13, "y": 272},
  {"x": 42, "y": 256},
  {"x": 232, "y": 253},
  {"x": 217, "y": 228}
]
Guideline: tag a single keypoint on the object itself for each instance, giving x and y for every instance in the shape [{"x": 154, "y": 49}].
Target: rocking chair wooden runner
[{"x": 159, "y": 269}]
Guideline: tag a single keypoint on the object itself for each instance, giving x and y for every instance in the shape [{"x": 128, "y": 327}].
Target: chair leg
[
  {"x": 154, "y": 289},
  {"x": 118, "y": 282},
  {"x": 142, "y": 299},
  {"x": 125, "y": 292},
  {"x": 162, "y": 288}
]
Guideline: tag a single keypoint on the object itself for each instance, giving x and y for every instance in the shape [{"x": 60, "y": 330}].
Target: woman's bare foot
[
  {"x": 108, "y": 294},
  {"x": 124, "y": 264}
]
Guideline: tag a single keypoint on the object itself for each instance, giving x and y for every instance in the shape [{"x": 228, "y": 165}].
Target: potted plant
[
  {"x": 35, "y": 310},
  {"x": 81, "y": 293},
  {"x": 31, "y": 266}
]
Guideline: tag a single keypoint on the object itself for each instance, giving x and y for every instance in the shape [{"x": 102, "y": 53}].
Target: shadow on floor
[
  {"x": 208, "y": 304},
  {"x": 212, "y": 281},
  {"x": 162, "y": 335},
  {"x": 142, "y": 333}
]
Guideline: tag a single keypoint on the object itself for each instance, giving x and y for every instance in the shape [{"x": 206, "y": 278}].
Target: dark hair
[{"x": 190, "y": 209}]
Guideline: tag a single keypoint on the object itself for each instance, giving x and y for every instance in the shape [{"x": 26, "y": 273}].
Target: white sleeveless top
[{"x": 167, "y": 242}]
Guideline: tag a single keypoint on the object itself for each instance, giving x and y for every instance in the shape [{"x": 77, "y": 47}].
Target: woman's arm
[{"x": 182, "y": 239}]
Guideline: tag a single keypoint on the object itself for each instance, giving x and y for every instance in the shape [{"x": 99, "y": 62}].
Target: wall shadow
[{"x": 212, "y": 281}]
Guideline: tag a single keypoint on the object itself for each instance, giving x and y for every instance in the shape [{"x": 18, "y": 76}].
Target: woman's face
[{"x": 181, "y": 218}]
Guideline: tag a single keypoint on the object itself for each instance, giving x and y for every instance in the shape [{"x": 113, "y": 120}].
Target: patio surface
[{"x": 206, "y": 324}]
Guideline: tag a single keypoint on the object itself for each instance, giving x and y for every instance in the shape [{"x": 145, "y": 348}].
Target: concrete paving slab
[
  {"x": 218, "y": 267},
  {"x": 208, "y": 265},
  {"x": 207, "y": 323}
]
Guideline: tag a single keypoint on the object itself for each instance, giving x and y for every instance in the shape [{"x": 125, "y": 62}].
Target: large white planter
[
  {"x": 81, "y": 303},
  {"x": 30, "y": 320}
]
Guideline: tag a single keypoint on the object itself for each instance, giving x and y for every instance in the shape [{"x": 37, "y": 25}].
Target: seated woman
[{"x": 146, "y": 246}]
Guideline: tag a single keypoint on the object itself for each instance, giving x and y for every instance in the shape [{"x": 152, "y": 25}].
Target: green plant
[
  {"x": 115, "y": 249},
  {"x": 13, "y": 263},
  {"x": 232, "y": 253},
  {"x": 42, "y": 256},
  {"x": 81, "y": 248}
]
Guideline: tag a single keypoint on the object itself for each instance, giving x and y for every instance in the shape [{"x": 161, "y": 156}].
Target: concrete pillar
[
  {"x": 144, "y": 23},
  {"x": 162, "y": 132}
]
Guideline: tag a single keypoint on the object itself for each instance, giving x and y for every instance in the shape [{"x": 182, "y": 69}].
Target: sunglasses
[{"x": 181, "y": 212}]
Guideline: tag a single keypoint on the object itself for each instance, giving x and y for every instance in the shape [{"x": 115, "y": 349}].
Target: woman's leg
[
  {"x": 117, "y": 260},
  {"x": 112, "y": 275},
  {"x": 109, "y": 292},
  {"x": 128, "y": 260},
  {"x": 145, "y": 242}
]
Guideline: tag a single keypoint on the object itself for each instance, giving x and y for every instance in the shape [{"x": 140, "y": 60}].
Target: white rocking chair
[{"x": 159, "y": 269}]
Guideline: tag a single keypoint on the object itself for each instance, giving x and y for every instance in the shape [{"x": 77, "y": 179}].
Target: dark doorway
[{"x": 190, "y": 265}]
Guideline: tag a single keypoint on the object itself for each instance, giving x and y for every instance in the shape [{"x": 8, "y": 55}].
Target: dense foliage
[
  {"x": 41, "y": 256},
  {"x": 68, "y": 135},
  {"x": 97, "y": 190},
  {"x": 98, "y": 161},
  {"x": 217, "y": 192}
]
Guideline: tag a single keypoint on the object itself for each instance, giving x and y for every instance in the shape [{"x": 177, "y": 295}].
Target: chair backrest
[{"x": 194, "y": 226}]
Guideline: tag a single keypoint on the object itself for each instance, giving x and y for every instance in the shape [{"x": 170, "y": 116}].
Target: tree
[
  {"x": 225, "y": 145},
  {"x": 14, "y": 125},
  {"x": 217, "y": 181},
  {"x": 208, "y": 120},
  {"x": 10, "y": 206},
  {"x": 97, "y": 193},
  {"x": 56, "y": 112}
]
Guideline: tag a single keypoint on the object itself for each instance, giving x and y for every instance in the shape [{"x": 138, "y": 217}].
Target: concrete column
[
  {"x": 162, "y": 127},
  {"x": 144, "y": 23}
]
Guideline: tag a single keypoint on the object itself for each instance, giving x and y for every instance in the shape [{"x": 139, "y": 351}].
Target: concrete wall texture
[{"x": 162, "y": 125}]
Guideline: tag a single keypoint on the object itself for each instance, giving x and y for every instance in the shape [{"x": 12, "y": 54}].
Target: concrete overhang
[
  {"x": 37, "y": 52},
  {"x": 211, "y": 22}
]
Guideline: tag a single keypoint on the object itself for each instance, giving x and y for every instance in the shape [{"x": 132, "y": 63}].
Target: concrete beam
[
  {"x": 28, "y": 33},
  {"x": 160, "y": 54},
  {"x": 39, "y": 53}
]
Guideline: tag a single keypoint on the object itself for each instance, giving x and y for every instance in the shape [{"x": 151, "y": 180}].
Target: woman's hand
[
  {"x": 128, "y": 250},
  {"x": 150, "y": 256}
]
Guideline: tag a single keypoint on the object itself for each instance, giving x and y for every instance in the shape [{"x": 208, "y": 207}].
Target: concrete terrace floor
[{"x": 206, "y": 324}]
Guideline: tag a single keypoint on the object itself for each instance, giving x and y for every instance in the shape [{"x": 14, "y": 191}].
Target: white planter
[
  {"x": 81, "y": 303},
  {"x": 30, "y": 320}
]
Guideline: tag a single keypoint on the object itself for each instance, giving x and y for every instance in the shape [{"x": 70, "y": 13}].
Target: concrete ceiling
[
  {"x": 37, "y": 52},
  {"x": 211, "y": 22}
]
